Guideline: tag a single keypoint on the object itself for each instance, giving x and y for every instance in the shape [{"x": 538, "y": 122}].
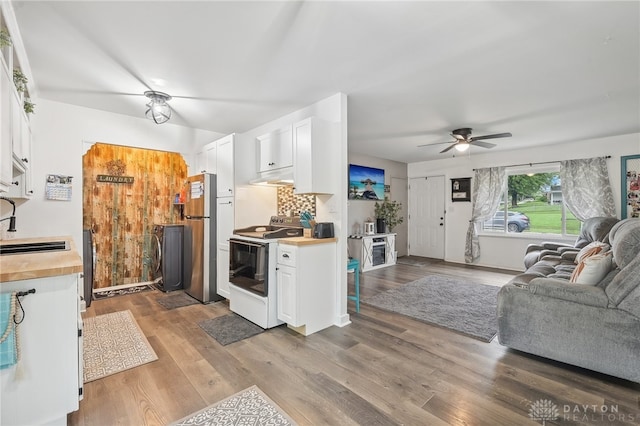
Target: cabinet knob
[
  {"x": 30, "y": 192},
  {"x": 16, "y": 183},
  {"x": 203, "y": 171},
  {"x": 25, "y": 160},
  {"x": 230, "y": 190},
  {"x": 285, "y": 255}
]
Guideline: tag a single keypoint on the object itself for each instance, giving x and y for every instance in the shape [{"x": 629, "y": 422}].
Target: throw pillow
[
  {"x": 591, "y": 270},
  {"x": 591, "y": 249}
]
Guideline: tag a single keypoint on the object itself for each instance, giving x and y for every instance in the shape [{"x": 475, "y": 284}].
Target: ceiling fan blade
[
  {"x": 458, "y": 137},
  {"x": 497, "y": 135},
  {"x": 436, "y": 143},
  {"x": 483, "y": 144},
  {"x": 448, "y": 148}
]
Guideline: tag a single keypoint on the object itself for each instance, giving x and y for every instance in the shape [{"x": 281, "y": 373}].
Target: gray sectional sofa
[{"x": 591, "y": 326}]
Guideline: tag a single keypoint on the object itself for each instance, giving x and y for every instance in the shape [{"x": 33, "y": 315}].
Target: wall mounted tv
[{"x": 365, "y": 183}]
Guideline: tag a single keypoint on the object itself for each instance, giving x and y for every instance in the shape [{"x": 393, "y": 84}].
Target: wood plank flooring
[{"x": 383, "y": 369}]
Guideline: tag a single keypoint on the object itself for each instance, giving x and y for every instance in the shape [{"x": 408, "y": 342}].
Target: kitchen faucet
[{"x": 12, "y": 218}]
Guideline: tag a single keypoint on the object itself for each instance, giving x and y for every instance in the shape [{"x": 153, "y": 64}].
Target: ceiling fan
[{"x": 463, "y": 140}]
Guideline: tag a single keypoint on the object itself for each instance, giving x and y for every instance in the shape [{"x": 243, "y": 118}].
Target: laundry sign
[
  {"x": 116, "y": 169},
  {"x": 114, "y": 179}
]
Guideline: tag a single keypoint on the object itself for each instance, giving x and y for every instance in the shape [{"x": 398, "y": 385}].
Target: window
[{"x": 532, "y": 203}]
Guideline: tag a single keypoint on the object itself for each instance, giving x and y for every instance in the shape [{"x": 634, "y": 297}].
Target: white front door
[{"x": 426, "y": 217}]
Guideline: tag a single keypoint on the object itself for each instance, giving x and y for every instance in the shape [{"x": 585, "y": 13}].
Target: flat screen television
[{"x": 366, "y": 183}]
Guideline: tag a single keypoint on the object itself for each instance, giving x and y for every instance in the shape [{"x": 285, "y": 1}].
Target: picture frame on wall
[
  {"x": 630, "y": 184},
  {"x": 461, "y": 189},
  {"x": 366, "y": 183}
]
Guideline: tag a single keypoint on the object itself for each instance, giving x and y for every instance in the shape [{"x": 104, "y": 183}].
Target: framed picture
[
  {"x": 461, "y": 189},
  {"x": 630, "y": 174},
  {"x": 366, "y": 183}
]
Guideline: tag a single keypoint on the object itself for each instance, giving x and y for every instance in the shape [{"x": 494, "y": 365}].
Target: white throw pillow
[
  {"x": 590, "y": 249},
  {"x": 592, "y": 269}
]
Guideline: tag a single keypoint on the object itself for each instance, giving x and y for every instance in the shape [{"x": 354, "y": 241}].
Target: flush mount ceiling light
[
  {"x": 158, "y": 109},
  {"x": 462, "y": 146}
]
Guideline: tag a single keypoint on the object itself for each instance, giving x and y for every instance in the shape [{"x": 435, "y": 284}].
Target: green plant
[
  {"x": 390, "y": 212},
  {"x": 5, "y": 38},
  {"x": 20, "y": 80},
  {"x": 28, "y": 106}
]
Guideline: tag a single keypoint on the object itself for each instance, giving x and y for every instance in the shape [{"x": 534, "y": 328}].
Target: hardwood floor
[{"x": 383, "y": 369}]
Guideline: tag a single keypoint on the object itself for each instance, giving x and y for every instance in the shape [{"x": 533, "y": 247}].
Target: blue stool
[{"x": 354, "y": 265}]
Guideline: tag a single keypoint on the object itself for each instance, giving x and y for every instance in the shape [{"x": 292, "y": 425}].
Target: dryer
[{"x": 168, "y": 262}]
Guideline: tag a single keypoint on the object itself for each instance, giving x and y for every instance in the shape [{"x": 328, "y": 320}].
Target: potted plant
[
  {"x": 28, "y": 106},
  {"x": 387, "y": 214},
  {"x": 20, "y": 80},
  {"x": 5, "y": 38}
]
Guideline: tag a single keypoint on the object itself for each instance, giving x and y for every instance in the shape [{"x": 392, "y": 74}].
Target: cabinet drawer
[{"x": 287, "y": 255}]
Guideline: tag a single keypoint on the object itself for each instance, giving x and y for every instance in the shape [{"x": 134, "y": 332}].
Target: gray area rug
[
  {"x": 248, "y": 407},
  {"x": 230, "y": 328},
  {"x": 451, "y": 303},
  {"x": 176, "y": 300}
]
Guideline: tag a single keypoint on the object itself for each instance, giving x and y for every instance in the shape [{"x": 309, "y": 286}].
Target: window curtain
[
  {"x": 488, "y": 187},
  {"x": 586, "y": 189}
]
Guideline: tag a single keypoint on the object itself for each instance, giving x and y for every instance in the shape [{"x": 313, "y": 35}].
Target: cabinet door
[
  {"x": 367, "y": 253},
  {"x": 206, "y": 160},
  {"x": 6, "y": 169},
  {"x": 224, "y": 230},
  {"x": 315, "y": 154},
  {"x": 391, "y": 249},
  {"x": 225, "y": 169},
  {"x": 275, "y": 150},
  {"x": 287, "y": 300}
]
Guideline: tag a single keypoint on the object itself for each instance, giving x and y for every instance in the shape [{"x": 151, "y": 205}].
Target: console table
[{"x": 373, "y": 251}]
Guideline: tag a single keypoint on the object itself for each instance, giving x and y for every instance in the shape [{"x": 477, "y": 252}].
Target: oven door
[{"x": 249, "y": 266}]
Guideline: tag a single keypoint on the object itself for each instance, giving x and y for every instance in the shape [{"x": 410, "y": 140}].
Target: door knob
[{"x": 442, "y": 224}]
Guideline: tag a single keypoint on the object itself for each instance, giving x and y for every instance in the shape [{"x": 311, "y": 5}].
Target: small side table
[{"x": 354, "y": 265}]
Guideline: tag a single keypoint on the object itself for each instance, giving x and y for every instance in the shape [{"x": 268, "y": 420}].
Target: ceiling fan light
[
  {"x": 158, "y": 109},
  {"x": 462, "y": 146}
]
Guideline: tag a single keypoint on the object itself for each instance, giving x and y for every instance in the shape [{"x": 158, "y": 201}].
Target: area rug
[
  {"x": 451, "y": 303},
  {"x": 248, "y": 407},
  {"x": 113, "y": 343},
  {"x": 103, "y": 294},
  {"x": 176, "y": 300},
  {"x": 230, "y": 328}
]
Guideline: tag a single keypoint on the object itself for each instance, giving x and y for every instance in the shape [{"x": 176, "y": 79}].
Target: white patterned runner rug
[
  {"x": 248, "y": 407},
  {"x": 113, "y": 343}
]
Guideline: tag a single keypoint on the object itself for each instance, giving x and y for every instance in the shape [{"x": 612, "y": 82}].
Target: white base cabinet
[
  {"x": 45, "y": 384},
  {"x": 306, "y": 285},
  {"x": 373, "y": 251}
]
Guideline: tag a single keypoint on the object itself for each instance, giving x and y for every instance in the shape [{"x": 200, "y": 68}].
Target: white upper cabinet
[
  {"x": 6, "y": 99},
  {"x": 315, "y": 156},
  {"x": 275, "y": 150},
  {"x": 224, "y": 166},
  {"x": 206, "y": 159}
]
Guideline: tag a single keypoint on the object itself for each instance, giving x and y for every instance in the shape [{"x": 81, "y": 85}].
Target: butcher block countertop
[
  {"x": 16, "y": 267},
  {"x": 304, "y": 241}
]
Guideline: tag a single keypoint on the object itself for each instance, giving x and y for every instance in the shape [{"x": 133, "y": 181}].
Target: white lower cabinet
[
  {"x": 373, "y": 251},
  {"x": 224, "y": 230},
  {"x": 306, "y": 282},
  {"x": 48, "y": 385}
]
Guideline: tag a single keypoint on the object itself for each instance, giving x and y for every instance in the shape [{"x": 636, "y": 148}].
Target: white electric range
[{"x": 252, "y": 269}]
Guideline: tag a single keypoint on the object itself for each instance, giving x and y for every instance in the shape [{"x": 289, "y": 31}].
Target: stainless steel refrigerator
[{"x": 200, "y": 235}]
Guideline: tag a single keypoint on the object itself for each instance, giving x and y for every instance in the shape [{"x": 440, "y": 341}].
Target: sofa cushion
[
  {"x": 625, "y": 243},
  {"x": 592, "y": 269},
  {"x": 591, "y": 249},
  {"x": 561, "y": 289}
]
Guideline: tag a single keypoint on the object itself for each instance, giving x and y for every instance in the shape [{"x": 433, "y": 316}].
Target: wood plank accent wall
[{"x": 122, "y": 215}]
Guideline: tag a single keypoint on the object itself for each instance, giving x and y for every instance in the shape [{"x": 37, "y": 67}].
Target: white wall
[
  {"x": 360, "y": 210},
  {"x": 60, "y": 132},
  {"x": 507, "y": 251}
]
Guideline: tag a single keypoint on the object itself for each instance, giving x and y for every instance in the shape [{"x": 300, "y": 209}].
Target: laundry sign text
[{"x": 114, "y": 179}]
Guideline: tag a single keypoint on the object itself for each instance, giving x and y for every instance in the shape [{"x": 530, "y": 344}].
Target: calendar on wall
[{"x": 58, "y": 187}]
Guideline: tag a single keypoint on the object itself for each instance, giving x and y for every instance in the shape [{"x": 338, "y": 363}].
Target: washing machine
[{"x": 168, "y": 259}]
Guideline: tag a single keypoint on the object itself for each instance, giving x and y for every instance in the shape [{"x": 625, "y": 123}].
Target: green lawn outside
[{"x": 547, "y": 218}]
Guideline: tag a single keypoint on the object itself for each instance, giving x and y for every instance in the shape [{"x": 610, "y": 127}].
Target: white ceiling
[{"x": 548, "y": 72}]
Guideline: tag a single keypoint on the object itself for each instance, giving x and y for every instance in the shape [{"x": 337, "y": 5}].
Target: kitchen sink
[{"x": 24, "y": 248}]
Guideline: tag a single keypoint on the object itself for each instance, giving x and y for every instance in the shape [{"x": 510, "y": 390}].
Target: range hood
[{"x": 280, "y": 177}]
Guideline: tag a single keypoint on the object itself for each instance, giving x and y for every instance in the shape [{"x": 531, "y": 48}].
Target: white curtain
[
  {"x": 488, "y": 187},
  {"x": 586, "y": 189}
]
